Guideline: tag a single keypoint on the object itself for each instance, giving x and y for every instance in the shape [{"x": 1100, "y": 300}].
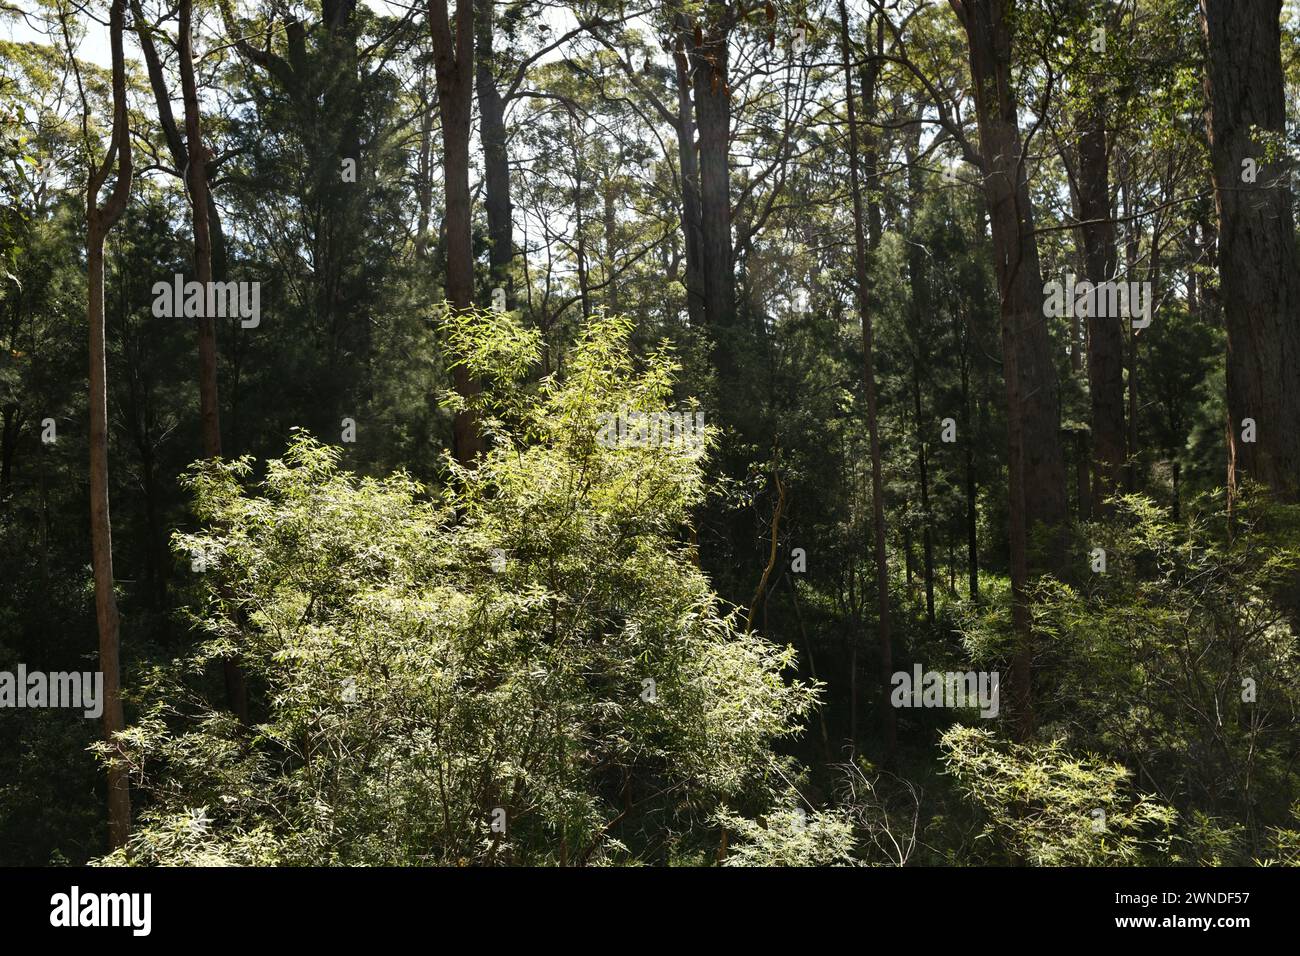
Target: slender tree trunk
[
  {"x": 688, "y": 159},
  {"x": 1131, "y": 240},
  {"x": 424, "y": 171},
  {"x": 1082, "y": 482},
  {"x": 920, "y": 311},
  {"x": 968, "y": 446},
  {"x": 927, "y": 542},
  {"x": 577, "y": 138},
  {"x": 191, "y": 159},
  {"x": 1105, "y": 338},
  {"x": 99, "y": 220},
  {"x": 1105, "y": 334},
  {"x": 909, "y": 560},
  {"x": 610, "y": 223},
  {"x": 454, "y": 66},
  {"x": 119, "y": 796},
  {"x": 1259, "y": 277},
  {"x": 1177, "y": 469},
  {"x": 883, "y": 636},
  {"x": 496, "y": 157},
  {"x": 197, "y": 181},
  {"x": 201, "y": 206}
]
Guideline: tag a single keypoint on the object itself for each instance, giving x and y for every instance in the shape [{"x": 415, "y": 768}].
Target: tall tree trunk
[
  {"x": 688, "y": 159},
  {"x": 191, "y": 159},
  {"x": 99, "y": 220},
  {"x": 496, "y": 157},
  {"x": 1131, "y": 244},
  {"x": 1105, "y": 335},
  {"x": 198, "y": 187},
  {"x": 201, "y": 206},
  {"x": 453, "y": 59},
  {"x": 577, "y": 139},
  {"x": 927, "y": 534},
  {"x": 968, "y": 446},
  {"x": 890, "y": 742},
  {"x": 1259, "y": 277},
  {"x": 920, "y": 310},
  {"x": 1035, "y": 459},
  {"x": 610, "y": 223},
  {"x": 713, "y": 121},
  {"x": 424, "y": 171}
]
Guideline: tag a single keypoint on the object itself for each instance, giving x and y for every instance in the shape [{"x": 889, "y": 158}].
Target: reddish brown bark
[
  {"x": 453, "y": 60},
  {"x": 99, "y": 221},
  {"x": 1258, "y": 275}
]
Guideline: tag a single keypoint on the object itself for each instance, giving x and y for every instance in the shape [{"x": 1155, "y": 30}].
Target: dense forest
[{"x": 693, "y": 433}]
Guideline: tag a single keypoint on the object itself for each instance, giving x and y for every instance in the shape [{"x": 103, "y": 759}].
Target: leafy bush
[
  {"x": 1046, "y": 808},
  {"x": 1180, "y": 661},
  {"x": 791, "y": 836},
  {"x": 526, "y": 667}
]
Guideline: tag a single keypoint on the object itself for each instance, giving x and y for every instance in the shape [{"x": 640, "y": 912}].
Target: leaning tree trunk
[{"x": 1258, "y": 275}]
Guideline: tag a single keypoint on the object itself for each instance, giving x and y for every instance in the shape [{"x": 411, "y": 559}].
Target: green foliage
[
  {"x": 427, "y": 643},
  {"x": 414, "y": 683},
  {"x": 1042, "y": 805},
  {"x": 1181, "y": 659},
  {"x": 791, "y": 836}
]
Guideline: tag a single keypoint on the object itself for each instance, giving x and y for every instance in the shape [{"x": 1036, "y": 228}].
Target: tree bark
[
  {"x": 198, "y": 187},
  {"x": 688, "y": 159},
  {"x": 1131, "y": 241},
  {"x": 967, "y": 335},
  {"x": 1105, "y": 335},
  {"x": 920, "y": 309},
  {"x": 712, "y": 97},
  {"x": 1259, "y": 277},
  {"x": 496, "y": 158},
  {"x": 453, "y": 59},
  {"x": 923, "y": 472},
  {"x": 883, "y": 636},
  {"x": 190, "y": 157},
  {"x": 99, "y": 221},
  {"x": 1035, "y": 458}
]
